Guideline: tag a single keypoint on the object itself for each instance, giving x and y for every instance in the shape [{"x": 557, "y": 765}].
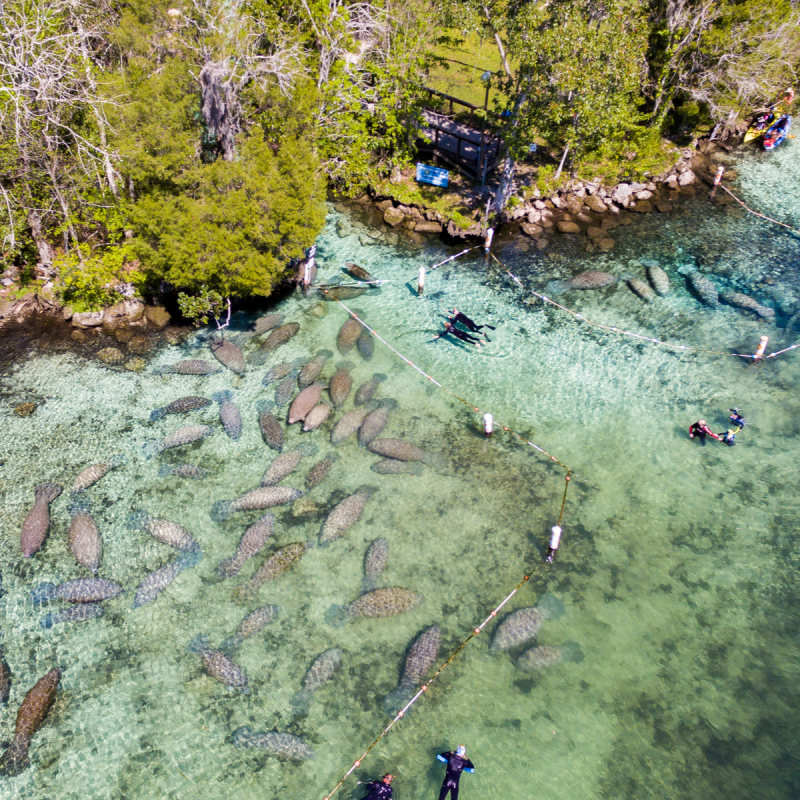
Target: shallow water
[{"x": 677, "y": 567}]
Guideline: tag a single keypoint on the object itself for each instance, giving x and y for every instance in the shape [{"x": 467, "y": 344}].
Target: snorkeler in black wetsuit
[
  {"x": 450, "y": 328},
  {"x": 469, "y": 324},
  {"x": 380, "y": 790},
  {"x": 456, "y": 762}
]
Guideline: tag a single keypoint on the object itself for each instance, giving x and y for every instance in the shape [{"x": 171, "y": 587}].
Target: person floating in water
[
  {"x": 380, "y": 790},
  {"x": 700, "y": 429},
  {"x": 457, "y": 762},
  {"x": 729, "y": 437},
  {"x": 736, "y": 418},
  {"x": 469, "y": 324},
  {"x": 450, "y": 328}
]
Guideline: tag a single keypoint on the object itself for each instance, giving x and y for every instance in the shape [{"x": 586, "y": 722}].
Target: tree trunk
[
  {"x": 499, "y": 43},
  {"x": 509, "y": 162},
  {"x": 561, "y": 165},
  {"x": 43, "y": 247}
]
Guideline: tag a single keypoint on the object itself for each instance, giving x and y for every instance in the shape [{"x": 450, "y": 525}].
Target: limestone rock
[
  {"x": 123, "y": 335},
  {"x": 645, "y": 194},
  {"x": 25, "y": 409},
  {"x": 87, "y": 319},
  {"x": 78, "y": 336},
  {"x": 596, "y": 204},
  {"x": 539, "y": 205},
  {"x": 642, "y": 207},
  {"x": 529, "y": 229},
  {"x": 605, "y": 244},
  {"x": 136, "y": 365},
  {"x": 383, "y": 205},
  {"x": 565, "y": 226},
  {"x": 542, "y": 243},
  {"x": 621, "y": 192},
  {"x": 663, "y": 206},
  {"x": 393, "y": 216},
  {"x": 140, "y": 345},
  {"x": 110, "y": 356},
  {"x": 625, "y": 219},
  {"x": 534, "y": 217},
  {"x": 574, "y": 204},
  {"x": 595, "y": 233},
  {"x": 585, "y": 219},
  {"x": 157, "y": 316},
  {"x": 428, "y": 227},
  {"x": 686, "y": 178},
  {"x": 608, "y": 223},
  {"x": 67, "y": 313}
]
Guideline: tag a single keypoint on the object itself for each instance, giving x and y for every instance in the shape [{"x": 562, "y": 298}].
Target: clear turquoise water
[{"x": 677, "y": 568}]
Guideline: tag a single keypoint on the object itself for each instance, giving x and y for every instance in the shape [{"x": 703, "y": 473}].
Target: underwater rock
[
  {"x": 25, "y": 409},
  {"x": 136, "y": 365},
  {"x": 110, "y": 356},
  {"x": 140, "y": 345}
]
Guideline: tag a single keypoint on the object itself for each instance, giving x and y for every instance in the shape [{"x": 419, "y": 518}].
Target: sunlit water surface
[{"x": 677, "y": 568}]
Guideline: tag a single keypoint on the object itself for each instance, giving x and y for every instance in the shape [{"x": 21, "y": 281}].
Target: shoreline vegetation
[{"x": 163, "y": 153}]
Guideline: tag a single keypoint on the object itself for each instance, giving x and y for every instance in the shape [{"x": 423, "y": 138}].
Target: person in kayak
[
  {"x": 700, "y": 429},
  {"x": 457, "y": 762},
  {"x": 450, "y": 328},
  {"x": 380, "y": 790},
  {"x": 468, "y": 323}
]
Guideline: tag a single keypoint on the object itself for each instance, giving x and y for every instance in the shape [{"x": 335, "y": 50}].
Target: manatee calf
[
  {"x": 254, "y": 622},
  {"x": 639, "y": 288},
  {"x": 320, "y": 471},
  {"x": 284, "y": 390},
  {"x": 229, "y": 414},
  {"x": 523, "y": 624},
  {"x": 280, "y": 371},
  {"x": 348, "y": 335},
  {"x": 169, "y": 533},
  {"x": 272, "y": 568},
  {"x": 155, "y": 583},
  {"x": 386, "y": 602},
  {"x": 340, "y": 386},
  {"x": 229, "y": 355},
  {"x": 359, "y": 273},
  {"x": 84, "y": 537},
  {"x": 271, "y": 431},
  {"x": 397, "y": 449},
  {"x": 700, "y": 285},
  {"x": 659, "y": 279},
  {"x": 279, "y": 336},
  {"x": 37, "y": 523},
  {"x": 319, "y": 673},
  {"x": 739, "y": 300},
  {"x": 78, "y": 613},
  {"x": 304, "y": 402},
  {"x": 393, "y": 466},
  {"x": 182, "y": 471},
  {"x": 178, "y": 438},
  {"x": 344, "y": 515},
  {"x": 420, "y": 658},
  {"x": 543, "y": 656},
  {"x": 219, "y": 666},
  {"x": 254, "y": 500},
  {"x": 89, "y": 476},
  {"x": 285, "y": 464},
  {"x": 277, "y": 744},
  {"x": 312, "y": 369},
  {"x": 317, "y": 416},
  {"x": 5, "y": 680},
  {"x": 267, "y": 323},
  {"x": 83, "y": 590},
  {"x": 375, "y": 561},
  {"x": 253, "y": 539},
  {"x": 194, "y": 366},
  {"x": 365, "y": 344},
  {"x": 373, "y": 424},
  {"x": 593, "y": 279},
  {"x": 30, "y": 717},
  {"x": 182, "y": 405},
  {"x": 367, "y": 390},
  {"x": 347, "y": 425}
]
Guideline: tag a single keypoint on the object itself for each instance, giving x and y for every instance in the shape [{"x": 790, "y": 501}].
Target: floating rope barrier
[
  {"x": 425, "y": 686},
  {"x": 453, "y": 258},
  {"x": 756, "y": 213},
  {"x": 622, "y": 332}
]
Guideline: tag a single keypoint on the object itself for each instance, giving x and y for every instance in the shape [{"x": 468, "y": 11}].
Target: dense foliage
[{"x": 144, "y": 141}]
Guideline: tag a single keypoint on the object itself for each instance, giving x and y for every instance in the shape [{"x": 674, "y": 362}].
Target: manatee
[
  {"x": 83, "y": 590},
  {"x": 271, "y": 431},
  {"x": 344, "y": 515},
  {"x": 37, "y": 523},
  {"x": 229, "y": 414},
  {"x": 523, "y": 624},
  {"x": 659, "y": 279},
  {"x": 5, "y": 680},
  {"x": 219, "y": 666},
  {"x": 272, "y": 568},
  {"x": 639, "y": 287},
  {"x": 340, "y": 386},
  {"x": 30, "y": 717},
  {"x": 365, "y": 344},
  {"x": 317, "y": 416},
  {"x": 155, "y": 583},
  {"x": 319, "y": 673},
  {"x": 375, "y": 561},
  {"x": 254, "y": 622},
  {"x": 84, "y": 537},
  {"x": 320, "y": 471},
  {"x": 279, "y": 336},
  {"x": 278, "y": 744},
  {"x": 348, "y": 335},
  {"x": 280, "y": 371},
  {"x": 397, "y": 449},
  {"x": 543, "y": 656},
  {"x": 312, "y": 369},
  {"x": 92, "y": 474},
  {"x": 348, "y": 425},
  {"x": 367, "y": 390},
  {"x": 393, "y": 466},
  {"x": 253, "y": 539},
  {"x": 254, "y": 500},
  {"x": 359, "y": 273},
  {"x": 739, "y": 300},
  {"x": 166, "y": 532},
  {"x": 284, "y": 390},
  {"x": 79, "y": 613},
  {"x": 229, "y": 355},
  {"x": 420, "y": 658},
  {"x": 701, "y": 286},
  {"x": 373, "y": 425},
  {"x": 385, "y": 602},
  {"x": 182, "y": 471},
  {"x": 304, "y": 402},
  {"x": 344, "y": 292},
  {"x": 194, "y": 366},
  {"x": 178, "y": 438},
  {"x": 285, "y": 464},
  {"x": 267, "y": 323},
  {"x": 592, "y": 279},
  {"x": 180, "y": 406}
]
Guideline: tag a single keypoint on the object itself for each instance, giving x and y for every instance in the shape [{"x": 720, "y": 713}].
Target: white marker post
[
  {"x": 421, "y": 281},
  {"x": 488, "y": 425},
  {"x": 487, "y": 242},
  {"x": 762, "y": 347},
  {"x": 555, "y": 540}
]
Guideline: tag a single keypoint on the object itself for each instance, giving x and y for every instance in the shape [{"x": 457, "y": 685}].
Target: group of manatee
[{"x": 301, "y": 387}]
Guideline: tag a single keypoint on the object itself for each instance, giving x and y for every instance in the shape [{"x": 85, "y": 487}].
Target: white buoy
[
  {"x": 487, "y": 242},
  {"x": 488, "y": 425},
  {"x": 421, "y": 281},
  {"x": 762, "y": 347},
  {"x": 307, "y": 268},
  {"x": 555, "y": 540}
]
